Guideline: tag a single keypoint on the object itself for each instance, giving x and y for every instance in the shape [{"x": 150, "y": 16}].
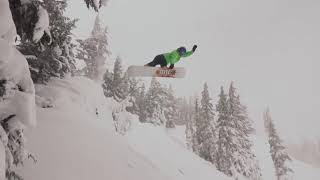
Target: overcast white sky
[{"x": 270, "y": 49}]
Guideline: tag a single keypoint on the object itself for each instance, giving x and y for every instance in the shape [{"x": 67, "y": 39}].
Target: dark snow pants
[{"x": 158, "y": 60}]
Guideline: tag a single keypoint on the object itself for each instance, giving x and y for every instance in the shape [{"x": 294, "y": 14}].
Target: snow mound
[{"x": 75, "y": 139}]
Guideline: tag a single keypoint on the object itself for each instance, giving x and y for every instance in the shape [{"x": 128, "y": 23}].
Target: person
[{"x": 171, "y": 58}]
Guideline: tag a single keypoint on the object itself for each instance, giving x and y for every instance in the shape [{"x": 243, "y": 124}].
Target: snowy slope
[
  {"x": 169, "y": 153},
  {"x": 76, "y": 140},
  {"x": 261, "y": 149}
]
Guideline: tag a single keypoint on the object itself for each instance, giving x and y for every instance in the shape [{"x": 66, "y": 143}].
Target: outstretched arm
[{"x": 189, "y": 53}]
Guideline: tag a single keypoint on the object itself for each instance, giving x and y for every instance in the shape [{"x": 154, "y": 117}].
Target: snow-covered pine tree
[
  {"x": 140, "y": 101},
  {"x": 107, "y": 78},
  {"x": 234, "y": 143},
  {"x": 117, "y": 83},
  {"x": 205, "y": 130},
  {"x": 133, "y": 89},
  {"x": 126, "y": 86},
  {"x": 190, "y": 129},
  {"x": 183, "y": 114},
  {"x": 95, "y": 4},
  {"x": 280, "y": 157},
  {"x": 171, "y": 109},
  {"x": 120, "y": 83},
  {"x": 195, "y": 121},
  {"x": 191, "y": 124},
  {"x": 94, "y": 51},
  {"x": 117, "y": 71},
  {"x": 31, "y": 19},
  {"x": 185, "y": 110},
  {"x": 50, "y": 55},
  {"x": 155, "y": 103},
  {"x": 225, "y": 130}
]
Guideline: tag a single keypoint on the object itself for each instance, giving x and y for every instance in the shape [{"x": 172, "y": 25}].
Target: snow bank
[{"x": 14, "y": 70}]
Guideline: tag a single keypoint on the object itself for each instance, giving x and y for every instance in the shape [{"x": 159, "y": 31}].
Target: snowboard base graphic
[{"x": 147, "y": 71}]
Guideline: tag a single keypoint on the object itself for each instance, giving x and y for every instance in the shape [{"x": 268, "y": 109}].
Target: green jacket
[{"x": 174, "y": 56}]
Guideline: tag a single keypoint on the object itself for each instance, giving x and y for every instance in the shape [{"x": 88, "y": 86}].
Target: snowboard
[{"x": 147, "y": 71}]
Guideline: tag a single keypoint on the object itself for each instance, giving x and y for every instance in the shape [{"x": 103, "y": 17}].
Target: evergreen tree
[
  {"x": 26, "y": 16},
  {"x": 191, "y": 127},
  {"x": 107, "y": 84},
  {"x": 133, "y": 89},
  {"x": 120, "y": 84},
  {"x": 116, "y": 84},
  {"x": 205, "y": 127},
  {"x": 155, "y": 103},
  {"x": 196, "y": 119},
  {"x": 117, "y": 76},
  {"x": 94, "y": 51},
  {"x": 183, "y": 111},
  {"x": 48, "y": 58},
  {"x": 171, "y": 109},
  {"x": 225, "y": 130},
  {"x": 280, "y": 157},
  {"x": 95, "y": 4},
  {"x": 140, "y": 100},
  {"x": 234, "y": 146}
]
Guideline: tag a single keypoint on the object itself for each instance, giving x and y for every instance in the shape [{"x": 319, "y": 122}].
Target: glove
[
  {"x": 194, "y": 47},
  {"x": 171, "y": 66}
]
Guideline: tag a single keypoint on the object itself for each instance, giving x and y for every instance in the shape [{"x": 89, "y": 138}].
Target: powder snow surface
[{"x": 72, "y": 142}]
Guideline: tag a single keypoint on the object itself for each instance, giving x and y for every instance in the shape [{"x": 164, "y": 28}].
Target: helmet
[{"x": 182, "y": 50}]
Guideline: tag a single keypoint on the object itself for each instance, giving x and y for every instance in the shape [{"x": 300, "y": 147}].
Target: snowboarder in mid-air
[{"x": 171, "y": 58}]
